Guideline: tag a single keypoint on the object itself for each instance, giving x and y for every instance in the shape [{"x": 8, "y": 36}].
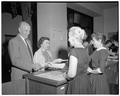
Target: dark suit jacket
[{"x": 20, "y": 57}]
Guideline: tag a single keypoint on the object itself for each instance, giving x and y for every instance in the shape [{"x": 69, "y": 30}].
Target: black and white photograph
[{"x": 60, "y": 47}]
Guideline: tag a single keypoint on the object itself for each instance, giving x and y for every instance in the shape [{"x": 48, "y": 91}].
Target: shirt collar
[
  {"x": 101, "y": 48},
  {"x": 21, "y": 37}
]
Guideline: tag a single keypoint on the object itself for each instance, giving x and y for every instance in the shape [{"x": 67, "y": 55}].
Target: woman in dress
[
  {"x": 99, "y": 60},
  {"x": 79, "y": 82},
  {"x": 43, "y": 57}
]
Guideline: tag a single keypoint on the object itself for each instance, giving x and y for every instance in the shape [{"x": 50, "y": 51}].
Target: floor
[{"x": 114, "y": 89}]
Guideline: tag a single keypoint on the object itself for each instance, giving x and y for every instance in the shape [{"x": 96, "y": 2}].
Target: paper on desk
[
  {"x": 53, "y": 75},
  {"x": 60, "y": 65}
]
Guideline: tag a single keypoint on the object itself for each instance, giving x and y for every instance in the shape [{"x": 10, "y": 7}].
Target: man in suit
[{"x": 20, "y": 51}]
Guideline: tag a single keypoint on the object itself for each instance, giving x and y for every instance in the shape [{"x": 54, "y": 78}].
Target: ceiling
[{"x": 106, "y": 5}]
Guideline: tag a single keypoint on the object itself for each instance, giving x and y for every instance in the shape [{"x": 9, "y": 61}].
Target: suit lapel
[
  {"x": 29, "y": 44},
  {"x": 20, "y": 39},
  {"x": 23, "y": 44}
]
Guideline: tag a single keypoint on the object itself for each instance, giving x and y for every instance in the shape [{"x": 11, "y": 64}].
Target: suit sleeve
[{"x": 16, "y": 59}]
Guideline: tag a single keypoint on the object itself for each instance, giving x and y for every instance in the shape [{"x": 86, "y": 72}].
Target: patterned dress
[
  {"x": 80, "y": 84},
  {"x": 41, "y": 58},
  {"x": 48, "y": 58},
  {"x": 99, "y": 81}
]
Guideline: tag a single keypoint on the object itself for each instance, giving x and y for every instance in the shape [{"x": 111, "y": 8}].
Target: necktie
[{"x": 28, "y": 48}]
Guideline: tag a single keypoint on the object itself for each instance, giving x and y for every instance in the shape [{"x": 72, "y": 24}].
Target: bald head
[{"x": 24, "y": 29}]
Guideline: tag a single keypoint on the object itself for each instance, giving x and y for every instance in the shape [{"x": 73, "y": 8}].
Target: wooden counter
[{"x": 50, "y": 82}]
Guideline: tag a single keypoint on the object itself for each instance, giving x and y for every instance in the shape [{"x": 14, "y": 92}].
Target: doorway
[{"x": 75, "y": 18}]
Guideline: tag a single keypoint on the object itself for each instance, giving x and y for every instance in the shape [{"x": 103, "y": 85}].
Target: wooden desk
[{"x": 50, "y": 82}]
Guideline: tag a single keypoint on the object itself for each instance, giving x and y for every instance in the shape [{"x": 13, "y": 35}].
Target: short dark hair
[
  {"x": 108, "y": 41},
  {"x": 99, "y": 36},
  {"x": 41, "y": 40}
]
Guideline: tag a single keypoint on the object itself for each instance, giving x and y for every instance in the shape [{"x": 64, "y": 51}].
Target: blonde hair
[{"x": 76, "y": 34}]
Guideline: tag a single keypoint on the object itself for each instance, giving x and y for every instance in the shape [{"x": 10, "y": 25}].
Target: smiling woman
[{"x": 43, "y": 57}]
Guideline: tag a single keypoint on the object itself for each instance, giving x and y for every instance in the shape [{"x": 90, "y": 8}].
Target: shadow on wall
[
  {"x": 62, "y": 53},
  {"x": 6, "y": 63}
]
